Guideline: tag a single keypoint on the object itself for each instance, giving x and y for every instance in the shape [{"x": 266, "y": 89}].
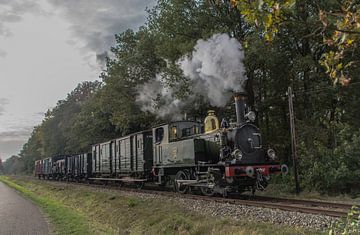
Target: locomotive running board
[
  {"x": 121, "y": 180},
  {"x": 199, "y": 183}
]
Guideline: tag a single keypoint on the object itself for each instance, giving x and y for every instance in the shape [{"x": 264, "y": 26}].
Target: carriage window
[
  {"x": 159, "y": 134},
  {"x": 140, "y": 144},
  {"x": 173, "y": 133},
  {"x": 190, "y": 131},
  {"x": 186, "y": 132}
]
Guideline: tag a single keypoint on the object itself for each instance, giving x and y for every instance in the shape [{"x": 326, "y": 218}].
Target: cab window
[
  {"x": 173, "y": 133},
  {"x": 159, "y": 134}
]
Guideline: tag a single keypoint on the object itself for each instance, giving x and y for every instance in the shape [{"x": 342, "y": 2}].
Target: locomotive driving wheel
[
  {"x": 207, "y": 191},
  {"x": 181, "y": 175}
]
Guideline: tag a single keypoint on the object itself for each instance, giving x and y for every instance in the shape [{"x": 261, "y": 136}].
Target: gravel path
[{"x": 19, "y": 216}]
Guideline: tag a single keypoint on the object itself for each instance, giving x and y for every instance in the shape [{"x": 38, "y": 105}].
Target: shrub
[
  {"x": 332, "y": 169},
  {"x": 348, "y": 225}
]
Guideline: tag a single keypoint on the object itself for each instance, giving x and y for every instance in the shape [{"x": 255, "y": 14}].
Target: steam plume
[
  {"x": 159, "y": 99},
  {"x": 215, "y": 69}
]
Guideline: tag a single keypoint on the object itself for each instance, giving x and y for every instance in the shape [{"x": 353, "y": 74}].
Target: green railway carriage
[{"x": 126, "y": 157}]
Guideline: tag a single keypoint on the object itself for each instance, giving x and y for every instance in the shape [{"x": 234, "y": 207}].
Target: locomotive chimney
[{"x": 240, "y": 107}]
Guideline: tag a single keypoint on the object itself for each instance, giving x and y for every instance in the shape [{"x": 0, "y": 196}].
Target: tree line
[{"x": 286, "y": 43}]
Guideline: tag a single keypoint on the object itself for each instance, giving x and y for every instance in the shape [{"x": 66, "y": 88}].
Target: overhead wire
[{"x": 321, "y": 89}]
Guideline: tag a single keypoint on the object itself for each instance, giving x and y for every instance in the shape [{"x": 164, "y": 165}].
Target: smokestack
[{"x": 240, "y": 107}]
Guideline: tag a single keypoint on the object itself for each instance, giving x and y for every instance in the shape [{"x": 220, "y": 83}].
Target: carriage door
[
  {"x": 98, "y": 160},
  {"x": 132, "y": 153},
  {"x": 113, "y": 156},
  {"x": 158, "y": 147},
  {"x": 118, "y": 155},
  {"x": 93, "y": 159},
  {"x": 135, "y": 152}
]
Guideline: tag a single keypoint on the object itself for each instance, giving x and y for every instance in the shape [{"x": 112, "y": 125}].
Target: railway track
[
  {"x": 294, "y": 205},
  {"x": 303, "y": 206},
  {"x": 314, "y": 203}
]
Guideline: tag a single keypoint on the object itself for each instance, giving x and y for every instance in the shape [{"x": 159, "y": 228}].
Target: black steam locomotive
[{"x": 211, "y": 157}]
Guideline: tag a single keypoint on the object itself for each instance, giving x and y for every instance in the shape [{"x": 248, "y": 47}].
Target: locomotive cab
[{"x": 173, "y": 143}]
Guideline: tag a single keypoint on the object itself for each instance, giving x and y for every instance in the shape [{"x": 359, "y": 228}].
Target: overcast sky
[{"x": 46, "y": 48}]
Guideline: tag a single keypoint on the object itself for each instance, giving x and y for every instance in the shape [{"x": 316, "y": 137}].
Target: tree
[
  {"x": 13, "y": 165},
  {"x": 338, "y": 22},
  {"x": 54, "y": 135}
]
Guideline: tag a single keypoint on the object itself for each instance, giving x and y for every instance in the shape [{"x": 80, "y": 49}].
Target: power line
[{"x": 321, "y": 89}]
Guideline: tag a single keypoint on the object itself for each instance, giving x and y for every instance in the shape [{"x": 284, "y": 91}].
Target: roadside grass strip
[
  {"x": 75, "y": 209},
  {"x": 64, "y": 220}
]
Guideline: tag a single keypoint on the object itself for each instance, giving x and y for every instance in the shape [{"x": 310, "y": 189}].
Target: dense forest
[{"x": 311, "y": 46}]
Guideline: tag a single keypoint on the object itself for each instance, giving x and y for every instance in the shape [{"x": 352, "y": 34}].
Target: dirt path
[{"x": 18, "y": 216}]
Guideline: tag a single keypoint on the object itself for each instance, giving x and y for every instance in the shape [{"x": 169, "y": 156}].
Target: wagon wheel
[
  {"x": 181, "y": 175},
  {"x": 140, "y": 184},
  {"x": 207, "y": 191},
  {"x": 120, "y": 184}
]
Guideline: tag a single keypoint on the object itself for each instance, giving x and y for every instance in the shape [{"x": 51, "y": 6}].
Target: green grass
[
  {"x": 86, "y": 210},
  {"x": 276, "y": 190},
  {"x": 64, "y": 220}
]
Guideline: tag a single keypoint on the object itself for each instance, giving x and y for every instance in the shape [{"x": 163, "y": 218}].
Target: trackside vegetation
[
  {"x": 77, "y": 209},
  {"x": 348, "y": 225}
]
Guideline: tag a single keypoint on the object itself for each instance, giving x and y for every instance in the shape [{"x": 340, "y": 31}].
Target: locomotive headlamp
[
  {"x": 251, "y": 116},
  {"x": 237, "y": 154},
  {"x": 271, "y": 153}
]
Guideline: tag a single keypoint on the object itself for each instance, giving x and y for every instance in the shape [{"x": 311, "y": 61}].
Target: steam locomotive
[{"x": 210, "y": 157}]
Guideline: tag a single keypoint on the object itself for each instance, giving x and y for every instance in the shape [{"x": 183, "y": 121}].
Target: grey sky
[{"x": 46, "y": 48}]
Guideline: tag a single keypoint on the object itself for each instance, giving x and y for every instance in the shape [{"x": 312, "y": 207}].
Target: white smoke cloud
[
  {"x": 215, "y": 69},
  {"x": 158, "y": 98}
]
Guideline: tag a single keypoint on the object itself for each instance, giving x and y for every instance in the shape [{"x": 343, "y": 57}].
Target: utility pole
[{"x": 293, "y": 140}]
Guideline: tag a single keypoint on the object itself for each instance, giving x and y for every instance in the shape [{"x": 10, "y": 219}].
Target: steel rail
[{"x": 315, "y": 203}]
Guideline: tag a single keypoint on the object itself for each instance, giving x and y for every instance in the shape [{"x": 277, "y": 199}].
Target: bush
[
  {"x": 348, "y": 225},
  {"x": 333, "y": 170}
]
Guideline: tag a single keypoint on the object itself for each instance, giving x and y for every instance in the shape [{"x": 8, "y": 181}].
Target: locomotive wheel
[
  {"x": 181, "y": 175},
  {"x": 207, "y": 191}
]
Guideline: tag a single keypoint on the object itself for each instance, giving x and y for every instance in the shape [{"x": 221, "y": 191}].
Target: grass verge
[
  {"x": 276, "y": 190},
  {"x": 64, "y": 220},
  {"x": 85, "y": 210}
]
